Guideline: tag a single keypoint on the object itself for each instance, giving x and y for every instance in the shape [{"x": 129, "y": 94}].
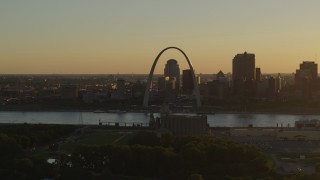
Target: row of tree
[
  {"x": 174, "y": 158},
  {"x": 15, "y": 143},
  {"x": 31, "y": 135}
]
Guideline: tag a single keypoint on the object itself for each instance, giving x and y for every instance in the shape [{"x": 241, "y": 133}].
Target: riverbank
[
  {"x": 275, "y": 112},
  {"x": 136, "y": 118}
]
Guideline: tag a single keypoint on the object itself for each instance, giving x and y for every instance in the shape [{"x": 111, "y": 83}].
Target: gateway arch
[{"x": 196, "y": 86}]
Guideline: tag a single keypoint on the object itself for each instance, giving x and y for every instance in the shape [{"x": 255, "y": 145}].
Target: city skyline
[{"x": 79, "y": 37}]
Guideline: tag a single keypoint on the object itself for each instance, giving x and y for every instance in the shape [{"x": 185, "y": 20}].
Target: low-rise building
[
  {"x": 69, "y": 91},
  {"x": 182, "y": 125},
  {"x": 314, "y": 123}
]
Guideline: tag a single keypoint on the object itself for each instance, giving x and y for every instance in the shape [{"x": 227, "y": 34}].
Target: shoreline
[{"x": 145, "y": 111}]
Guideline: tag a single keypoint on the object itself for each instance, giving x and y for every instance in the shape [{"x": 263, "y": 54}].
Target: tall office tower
[
  {"x": 243, "y": 67},
  {"x": 306, "y": 79},
  {"x": 308, "y": 69},
  {"x": 170, "y": 89},
  {"x": 161, "y": 83},
  {"x": 172, "y": 70},
  {"x": 187, "y": 82},
  {"x": 258, "y": 74},
  {"x": 243, "y": 75}
]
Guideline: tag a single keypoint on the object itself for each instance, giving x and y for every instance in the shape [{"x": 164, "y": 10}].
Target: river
[{"x": 217, "y": 120}]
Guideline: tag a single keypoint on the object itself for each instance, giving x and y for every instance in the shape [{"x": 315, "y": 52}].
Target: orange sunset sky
[{"x": 106, "y": 37}]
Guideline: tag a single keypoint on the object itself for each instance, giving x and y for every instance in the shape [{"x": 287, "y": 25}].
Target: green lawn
[
  {"x": 98, "y": 138},
  {"x": 40, "y": 154}
]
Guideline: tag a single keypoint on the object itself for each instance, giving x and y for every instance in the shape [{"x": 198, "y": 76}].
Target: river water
[{"x": 217, "y": 120}]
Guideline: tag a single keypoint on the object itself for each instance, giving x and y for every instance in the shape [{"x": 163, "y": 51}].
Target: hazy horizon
[{"x": 111, "y": 37}]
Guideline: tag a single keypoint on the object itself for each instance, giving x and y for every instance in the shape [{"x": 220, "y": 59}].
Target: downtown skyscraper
[
  {"x": 172, "y": 70},
  {"x": 243, "y": 67}
]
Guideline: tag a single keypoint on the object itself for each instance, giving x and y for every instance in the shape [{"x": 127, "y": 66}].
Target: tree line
[
  {"x": 16, "y": 142},
  {"x": 171, "y": 157}
]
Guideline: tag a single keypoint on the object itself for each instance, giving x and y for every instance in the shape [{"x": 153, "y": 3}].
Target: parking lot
[
  {"x": 279, "y": 151},
  {"x": 272, "y": 145}
]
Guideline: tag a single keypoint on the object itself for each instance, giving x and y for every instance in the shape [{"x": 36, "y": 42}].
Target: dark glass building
[
  {"x": 187, "y": 82},
  {"x": 243, "y": 67}
]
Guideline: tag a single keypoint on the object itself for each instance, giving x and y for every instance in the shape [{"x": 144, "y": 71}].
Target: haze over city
[
  {"x": 143, "y": 89},
  {"x": 105, "y": 37}
]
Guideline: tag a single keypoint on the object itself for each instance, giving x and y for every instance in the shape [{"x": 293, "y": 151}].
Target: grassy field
[{"x": 98, "y": 138}]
